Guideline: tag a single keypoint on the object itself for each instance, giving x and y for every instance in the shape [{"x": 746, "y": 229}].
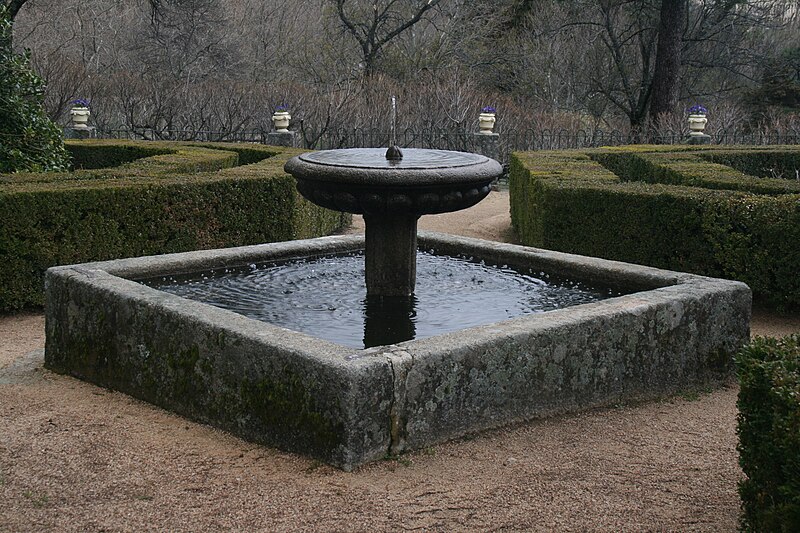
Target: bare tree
[
  {"x": 374, "y": 23},
  {"x": 628, "y": 37},
  {"x": 184, "y": 38},
  {"x": 637, "y": 55},
  {"x": 214, "y": 64}
]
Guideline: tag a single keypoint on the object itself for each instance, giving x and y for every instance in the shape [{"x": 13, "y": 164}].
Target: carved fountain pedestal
[{"x": 392, "y": 194}]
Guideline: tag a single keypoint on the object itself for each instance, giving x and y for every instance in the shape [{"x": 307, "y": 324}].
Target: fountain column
[
  {"x": 391, "y": 239},
  {"x": 391, "y": 254}
]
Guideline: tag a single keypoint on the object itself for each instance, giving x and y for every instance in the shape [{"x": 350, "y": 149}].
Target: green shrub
[
  {"x": 29, "y": 140},
  {"x": 708, "y": 170},
  {"x": 769, "y": 434},
  {"x": 248, "y": 153},
  {"x": 107, "y": 159},
  {"x": 756, "y": 239},
  {"x": 764, "y": 164},
  {"x": 90, "y": 156},
  {"x": 183, "y": 197},
  {"x": 669, "y": 207}
]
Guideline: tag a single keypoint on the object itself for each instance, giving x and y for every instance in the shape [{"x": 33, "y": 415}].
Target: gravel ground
[{"x": 75, "y": 457}]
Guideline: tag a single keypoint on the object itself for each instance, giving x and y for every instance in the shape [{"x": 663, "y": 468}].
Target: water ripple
[{"x": 327, "y": 297}]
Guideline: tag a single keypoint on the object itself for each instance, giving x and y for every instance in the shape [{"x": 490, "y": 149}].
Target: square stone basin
[{"x": 672, "y": 332}]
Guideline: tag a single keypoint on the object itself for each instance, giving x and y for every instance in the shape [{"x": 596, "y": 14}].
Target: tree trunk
[{"x": 666, "y": 78}]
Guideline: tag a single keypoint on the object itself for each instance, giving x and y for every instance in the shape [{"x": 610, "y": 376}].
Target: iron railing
[
  {"x": 152, "y": 134},
  {"x": 452, "y": 139}
]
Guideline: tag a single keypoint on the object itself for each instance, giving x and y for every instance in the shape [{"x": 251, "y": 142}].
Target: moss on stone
[{"x": 288, "y": 405}]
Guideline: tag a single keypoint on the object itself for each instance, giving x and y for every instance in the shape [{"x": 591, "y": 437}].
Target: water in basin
[
  {"x": 375, "y": 158},
  {"x": 326, "y": 297}
]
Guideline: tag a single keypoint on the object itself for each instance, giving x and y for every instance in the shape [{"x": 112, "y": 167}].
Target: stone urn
[
  {"x": 80, "y": 117},
  {"x": 281, "y": 121},
  {"x": 486, "y": 122},
  {"x": 697, "y": 123}
]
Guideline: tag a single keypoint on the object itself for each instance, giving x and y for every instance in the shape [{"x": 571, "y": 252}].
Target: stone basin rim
[
  {"x": 377, "y": 158},
  {"x": 376, "y": 171},
  {"x": 367, "y": 403}
]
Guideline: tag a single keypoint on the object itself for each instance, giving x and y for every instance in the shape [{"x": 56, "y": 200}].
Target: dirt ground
[{"x": 75, "y": 457}]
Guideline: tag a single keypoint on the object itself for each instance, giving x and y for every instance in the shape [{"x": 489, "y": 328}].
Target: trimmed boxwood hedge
[
  {"x": 86, "y": 156},
  {"x": 769, "y": 434},
  {"x": 677, "y": 208},
  {"x": 164, "y": 197}
]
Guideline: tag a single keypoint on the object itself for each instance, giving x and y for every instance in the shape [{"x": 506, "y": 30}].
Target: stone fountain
[
  {"x": 665, "y": 331},
  {"x": 392, "y": 189}
]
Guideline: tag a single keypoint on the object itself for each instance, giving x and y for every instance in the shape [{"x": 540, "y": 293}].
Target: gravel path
[{"x": 75, "y": 457}]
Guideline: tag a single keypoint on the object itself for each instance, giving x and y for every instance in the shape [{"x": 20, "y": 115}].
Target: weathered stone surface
[
  {"x": 365, "y": 200},
  {"x": 487, "y": 144},
  {"x": 289, "y": 139},
  {"x": 391, "y": 261},
  {"x": 363, "y": 181},
  {"x": 258, "y": 381},
  {"x": 392, "y": 190},
  {"x": 369, "y": 167},
  {"x": 345, "y": 406}
]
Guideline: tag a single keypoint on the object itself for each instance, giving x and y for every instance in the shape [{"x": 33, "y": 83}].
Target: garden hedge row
[
  {"x": 769, "y": 434},
  {"x": 157, "y": 197},
  {"x": 678, "y": 208}
]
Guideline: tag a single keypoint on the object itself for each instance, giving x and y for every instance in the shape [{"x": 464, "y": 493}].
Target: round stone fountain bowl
[{"x": 363, "y": 181}]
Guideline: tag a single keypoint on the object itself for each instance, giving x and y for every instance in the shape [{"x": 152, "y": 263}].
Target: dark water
[
  {"x": 327, "y": 298},
  {"x": 413, "y": 158}
]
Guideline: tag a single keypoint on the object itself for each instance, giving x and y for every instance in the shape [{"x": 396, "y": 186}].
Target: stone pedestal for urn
[
  {"x": 487, "y": 144},
  {"x": 289, "y": 139},
  {"x": 89, "y": 132}
]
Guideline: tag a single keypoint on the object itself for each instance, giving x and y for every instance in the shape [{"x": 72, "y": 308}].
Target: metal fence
[
  {"x": 151, "y": 134},
  {"x": 462, "y": 140},
  {"x": 564, "y": 139},
  {"x": 441, "y": 139}
]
